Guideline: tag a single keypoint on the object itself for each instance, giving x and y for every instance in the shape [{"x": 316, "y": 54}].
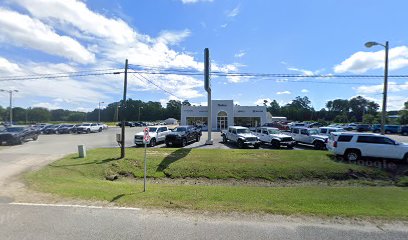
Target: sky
[{"x": 320, "y": 37}]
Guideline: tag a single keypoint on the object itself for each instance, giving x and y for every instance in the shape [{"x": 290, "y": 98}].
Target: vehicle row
[
  {"x": 69, "y": 128},
  {"x": 179, "y": 136},
  {"x": 140, "y": 124}
]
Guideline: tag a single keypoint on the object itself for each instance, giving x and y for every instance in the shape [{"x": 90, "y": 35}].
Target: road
[
  {"x": 31, "y": 221},
  {"x": 76, "y": 222}
]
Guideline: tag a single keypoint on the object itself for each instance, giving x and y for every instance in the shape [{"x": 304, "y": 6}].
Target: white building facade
[{"x": 224, "y": 114}]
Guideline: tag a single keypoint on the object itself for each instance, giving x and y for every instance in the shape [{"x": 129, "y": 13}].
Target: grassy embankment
[{"x": 85, "y": 179}]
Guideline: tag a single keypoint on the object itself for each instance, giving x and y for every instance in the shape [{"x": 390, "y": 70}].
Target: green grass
[
  {"x": 214, "y": 164},
  {"x": 85, "y": 179}
]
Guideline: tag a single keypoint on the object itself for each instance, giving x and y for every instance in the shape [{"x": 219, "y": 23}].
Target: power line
[
  {"x": 150, "y": 81},
  {"x": 60, "y": 73},
  {"x": 57, "y": 76}
]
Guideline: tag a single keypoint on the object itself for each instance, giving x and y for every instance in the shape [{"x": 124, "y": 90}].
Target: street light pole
[
  {"x": 99, "y": 111},
  {"x": 384, "y": 105},
  {"x": 11, "y": 102},
  {"x": 139, "y": 114}
]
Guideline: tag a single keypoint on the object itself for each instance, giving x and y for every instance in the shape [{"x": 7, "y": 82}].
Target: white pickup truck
[
  {"x": 156, "y": 133},
  {"x": 270, "y": 135},
  {"x": 88, "y": 128},
  {"x": 241, "y": 136},
  {"x": 310, "y": 136}
]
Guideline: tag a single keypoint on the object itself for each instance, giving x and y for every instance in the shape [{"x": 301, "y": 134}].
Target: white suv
[{"x": 356, "y": 145}]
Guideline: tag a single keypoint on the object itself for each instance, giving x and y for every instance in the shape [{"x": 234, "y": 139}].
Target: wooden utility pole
[{"x": 122, "y": 145}]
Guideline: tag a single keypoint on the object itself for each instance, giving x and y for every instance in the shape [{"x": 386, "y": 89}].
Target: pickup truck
[
  {"x": 242, "y": 136},
  {"x": 273, "y": 136},
  {"x": 157, "y": 134},
  {"x": 309, "y": 136},
  {"x": 88, "y": 128},
  {"x": 182, "y": 135}
]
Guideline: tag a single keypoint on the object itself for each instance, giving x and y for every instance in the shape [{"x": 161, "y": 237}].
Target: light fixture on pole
[
  {"x": 384, "y": 105},
  {"x": 139, "y": 113},
  {"x": 11, "y": 102},
  {"x": 99, "y": 111}
]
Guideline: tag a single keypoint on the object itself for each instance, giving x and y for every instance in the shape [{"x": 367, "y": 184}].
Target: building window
[
  {"x": 222, "y": 120},
  {"x": 197, "y": 121},
  {"x": 247, "y": 121}
]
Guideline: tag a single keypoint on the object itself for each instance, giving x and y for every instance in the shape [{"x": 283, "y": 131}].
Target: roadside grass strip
[{"x": 73, "y": 177}]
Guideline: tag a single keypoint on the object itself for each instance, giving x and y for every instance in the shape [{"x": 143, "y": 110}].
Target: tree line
[
  {"x": 357, "y": 109},
  {"x": 149, "y": 111}
]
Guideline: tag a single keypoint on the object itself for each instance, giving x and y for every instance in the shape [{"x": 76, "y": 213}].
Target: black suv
[
  {"x": 17, "y": 135},
  {"x": 363, "y": 128},
  {"x": 404, "y": 130},
  {"x": 182, "y": 135}
]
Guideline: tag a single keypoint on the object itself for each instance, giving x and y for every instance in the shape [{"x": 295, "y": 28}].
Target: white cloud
[
  {"x": 169, "y": 37},
  {"x": 8, "y": 67},
  {"x": 392, "y": 87},
  {"x": 75, "y": 13},
  {"x": 22, "y": 30},
  {"x": 47, "y": 105},
  {"x": 260, "y": 101},
  {"x": 284, "y": 92},
  {"x": 302, "y": 71},
  {"x": 240, "y": 54},
  {"x": 361, "y": 62},
  {"x": 194, "y": 1},
  {"x": 234, "y": 12},
  {"x": 304, "y": 91}
]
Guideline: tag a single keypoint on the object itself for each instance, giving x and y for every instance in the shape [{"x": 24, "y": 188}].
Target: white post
[{"x": 144, "y": 179}]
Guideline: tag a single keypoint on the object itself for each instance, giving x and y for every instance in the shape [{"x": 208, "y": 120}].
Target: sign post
[
  {"x": 207, "y": 87},
  {"x": 146, "y": 140}
]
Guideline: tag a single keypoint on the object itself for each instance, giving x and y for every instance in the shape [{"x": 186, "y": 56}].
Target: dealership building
[{"x": 225, "y": 113}]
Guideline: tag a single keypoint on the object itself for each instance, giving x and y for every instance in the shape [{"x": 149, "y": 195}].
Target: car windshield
[
  {"x": 273, "y": 131},
  {"x": 243, "y": 130},
  {"x": 179, "y": 129},
  {"x": 86, "y": 124},
  {"x": 152, "y": 129},
  {"x": 69, "y": 125},
  {"x": 313, "y": 132},
  {"x": 15, "y": 129}
]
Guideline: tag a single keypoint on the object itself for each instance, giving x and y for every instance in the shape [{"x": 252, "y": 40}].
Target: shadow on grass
[
  {"x": 173, "y": 157},
  {"x": 116, "y": 198},
  {"x": 87, "y": 163}
]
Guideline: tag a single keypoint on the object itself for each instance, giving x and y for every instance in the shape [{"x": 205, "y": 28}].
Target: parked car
[
  {"x": 88, "y": 128},
  {"x": 17, "y": 135},
  {"x": 363, "y": 127},
  {"x": 127, "y": 124},
  {"x": 157, "y": 134},
  {"x": 354, "y": 146},
  {"x": 273, "y": 136},
  {"x": 327, "y": 130},
  {"x": 309, "y": 136},
  {"x": 242, "y": 136},
  {"x": 52, "y": 129},
  {"x": 404, "y": 130},
  {"x": 182, "y": 135},
  {"x": 278, "y": 125},
  {"x": 66, "y": 128},
  {"x": 388, "y": 129}
]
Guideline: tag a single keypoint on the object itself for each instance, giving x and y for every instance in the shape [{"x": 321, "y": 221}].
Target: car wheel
[
  {"x": 35, "y": 138},
  {"x": 387, "y": 132},
  {"x": 240, "y": 144},
  {"x": 183, "y": 142},
  {"x": 275, "y": 144},
  {"x": 256, "y": 146},
  {"x": 404, "y": 133},
  {"x": 224, "y": 139},
  {"x": 352, "y": 155},
  {"x": 88, "y": 130},
  {"x": 318, "y": 145},
  {"x": 100, "y": 130},
  {"x": 406, "y": 158},
  {"x": 152, "y": 142},
  {"x": 198, "y": 138},
  {"x": 376, "y": 131}
]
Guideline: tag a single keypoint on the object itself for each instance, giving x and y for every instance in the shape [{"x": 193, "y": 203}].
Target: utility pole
[
  {"x": 11, "y": 103},
  {"x": 384, "y": 105},
  {"x": 139, "y": 114},
  {"x": 122, "y": 146},
  {"x": 207, "y": 87},
  {"x": 99, "y": 111}
]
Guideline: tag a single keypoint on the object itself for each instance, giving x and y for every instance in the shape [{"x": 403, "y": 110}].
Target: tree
[
  {"x": 359, "y": 106},
  {"x": 38, "y": 114},
  {"x": 274, "y": 108},
  {"x": 173, "y": 109},
  {"x": 186, "y": 103},
  {"x": 404, "y": 114}
]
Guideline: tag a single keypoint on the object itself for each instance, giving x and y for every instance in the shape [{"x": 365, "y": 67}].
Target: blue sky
[{"x": 258, "y": 36}]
